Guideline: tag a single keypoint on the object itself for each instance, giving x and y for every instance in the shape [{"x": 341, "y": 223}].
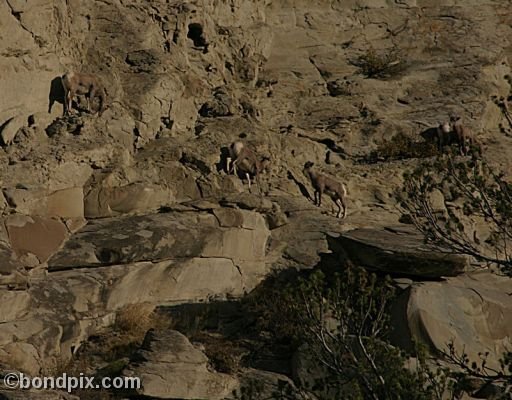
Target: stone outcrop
[
  {"x": 170, "y": 367},
  {"x": 135, "y": 205},
  {"x": 400, "y": 251},
  {"x": 469, "y": 310},
  {"x": 166, "y": 258}
]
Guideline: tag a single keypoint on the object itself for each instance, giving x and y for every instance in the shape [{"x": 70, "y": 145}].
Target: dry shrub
[
  {"x": 381, "y": 65},
  {"x": 224, "y": 355},
  {"x": 131, "y": 324},
  {"x": 402, "y": 146},
  {"x": 134, "y": 320},
  {"x": 73, "y": 367},
  {"x": 59, "y": 365}
]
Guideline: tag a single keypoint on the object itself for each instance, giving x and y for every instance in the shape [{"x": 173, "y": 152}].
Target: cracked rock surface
[{"x": 135, "y": 206}]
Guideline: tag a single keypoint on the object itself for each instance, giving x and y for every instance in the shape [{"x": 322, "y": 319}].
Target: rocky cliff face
[{"x": 135, "y": 206}]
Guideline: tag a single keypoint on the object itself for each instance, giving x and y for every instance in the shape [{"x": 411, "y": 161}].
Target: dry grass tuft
[{"x": 134, "y": 320}]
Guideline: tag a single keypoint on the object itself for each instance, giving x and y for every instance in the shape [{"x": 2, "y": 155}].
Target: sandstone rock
[
  {"x": 470, "y": 309},
  {"x": 192, "y": 280},
  {"x": 400, "y": 251},
  {"x": 10, "y": 128},
  {"x": 15, "y": 305},
  {"x": 23, "y": 356},
  {"x": 170, "y": 367},
  {"x": 274, "y": 72},
  {"x": 223, "y": 105},
  {"x": 136, "y": 197},
  {"x": 138, "y": 238},
  {"x": 142, "y": 60},
  {"x": 238, "y": 251},
  {"x": 437, "y": 200},
  {"x": 68, "y": 124},
  {"x": 67, "y": 203},
  {"x": 39, "y": 236}
]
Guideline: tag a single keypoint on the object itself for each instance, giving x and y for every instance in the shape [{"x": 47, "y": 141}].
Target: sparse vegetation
[
  {"x": 399, "y": 147},
  {"x": 224, "y": 355},
  {"x": 482, "y": 194},
  {"x": 134, "y": 320},
  {"x": 108, "y": 352},
  {"x": 381, "y": 65},
  {"x": 16, "y": 53},
  {"x": 340, "y": 323}
]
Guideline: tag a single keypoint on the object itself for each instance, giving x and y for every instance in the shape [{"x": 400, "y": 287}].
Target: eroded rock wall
[{"x": 135, "y": 205}]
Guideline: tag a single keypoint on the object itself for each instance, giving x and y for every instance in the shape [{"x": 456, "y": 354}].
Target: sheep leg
[
  {"x": 440, "y": 143},
  {"x": 69, "y": 100},
  {"x": 258, "y": 182},
  {"x": 462, "y": 144},
  {"x": 341, "y": 204},
  {"x": 228, "y": 165},
  {"x": 337, "y": 202},
  {"x": 90, "y": 97},
  {"x": 319, "y": 198},
  {"x": 65, "y": 102},
  {"x": 233, "y": 167},
  {"x": 248, "y": 179},
  {"x": 316, "y": 197},
  {"x": 344, "y": 204}
]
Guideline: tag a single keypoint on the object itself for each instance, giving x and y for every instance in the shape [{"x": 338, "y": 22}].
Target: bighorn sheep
[
  {"x": 443, "y": 135},
  {"x": 322, "y": 183},
  {"x": 453, "y": 131},
  {"x": 462, "y": 134},
  {"x": 244, "y": 158},
  {"x": 85, "y": 84}
]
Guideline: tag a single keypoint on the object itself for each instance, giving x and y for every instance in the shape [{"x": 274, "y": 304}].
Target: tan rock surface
[
  {"x": 183, "y": 81},
  {"x": 171, "y": 368}
]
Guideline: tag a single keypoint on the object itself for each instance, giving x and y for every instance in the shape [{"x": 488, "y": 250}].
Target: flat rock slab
[
  {"x": 236, "y": 235},
  {"x": 400, "y": 251},
  {"x": 133, "y": 239}
]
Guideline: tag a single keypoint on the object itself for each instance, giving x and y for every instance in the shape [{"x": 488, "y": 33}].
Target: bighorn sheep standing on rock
[
  {"x": 84, "y": 84},
  {"x": 462, "y": 135},
  {"x": 322, "y": 183},
  {"x": 443, "y": 136},
  {"x": 454, "y": 131},
  {"x": 243, "y": 158}
]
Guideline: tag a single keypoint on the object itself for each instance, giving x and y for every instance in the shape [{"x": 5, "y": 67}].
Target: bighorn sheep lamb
[
  {"x": 322, "y": 183},
  {"x": 84, "y": 84},
  {"x": 244, "y": 158}
]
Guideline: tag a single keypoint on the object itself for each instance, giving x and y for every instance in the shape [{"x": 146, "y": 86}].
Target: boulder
[
  {"x": 471, "y": 310},
  {"x": 9, "y": 128},
  {"x": 400, "y": 251},
  {"x": 170, "y": 367}
]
